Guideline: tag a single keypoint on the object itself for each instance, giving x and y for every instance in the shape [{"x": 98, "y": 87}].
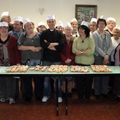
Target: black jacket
[{"x": 48, "y": 37}]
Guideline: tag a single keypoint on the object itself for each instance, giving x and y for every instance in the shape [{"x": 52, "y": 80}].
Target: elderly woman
[
  {"x": 111, "y": 23},
  {"x": 9, "y": 55},
  {"x": 103, "y": 51},
  {"x": 74, "y": 24},
  {"x": 31, "y": 54},
  {"x": 41, "y": 27},
  {"x": 67, "y": 57},
  {"x": 83, "y": 48},
  {"x": 59, "y": 26},
  {"x": 92, "y": 26},
  {"x": 115, "y": 41}
]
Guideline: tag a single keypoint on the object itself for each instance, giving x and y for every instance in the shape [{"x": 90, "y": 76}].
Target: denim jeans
[
  {"x": 47, "y": 85},
  {"x": 34, "y": 62}
]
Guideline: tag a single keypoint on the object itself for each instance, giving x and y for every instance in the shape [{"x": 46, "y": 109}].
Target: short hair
[
  {"x": 86, "y": 29},
  {"x": 101, "y": 20}
]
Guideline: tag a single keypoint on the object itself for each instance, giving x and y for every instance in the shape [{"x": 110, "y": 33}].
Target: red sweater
[
  {"x": 13, "y": 52},
  {"x": 67, "y": 53}
]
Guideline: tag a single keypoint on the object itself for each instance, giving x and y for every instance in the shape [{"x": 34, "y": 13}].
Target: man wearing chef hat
[
  {"x": 17, "y": 27},
  {"x": 52, "y": 43}
]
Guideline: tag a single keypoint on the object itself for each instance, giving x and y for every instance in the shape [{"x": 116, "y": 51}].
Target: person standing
[
  {"x": 116, "y": 83},
  {"x": 5, "y": 17},
  {"x": 83, "y": 48},
  {"x": 52, "y": 43},
  {"x": 111, "y": 23},
  {"x": 74, "y": 24},
  {"x": 67, "y": 57},
  {"x": 103, "y": 51},
  {"x": 9, "y": 55},
  {"x": 31, "y": 55},
  {"x": 115, "y": 41}
]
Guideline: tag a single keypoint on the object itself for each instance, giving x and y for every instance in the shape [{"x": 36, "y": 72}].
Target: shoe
[
  {"x": 11, "y": 101},
  {"x": 60, "y": 100},
  {"x": 45, "y": 99},
  {"x": 2, "y": 100}
]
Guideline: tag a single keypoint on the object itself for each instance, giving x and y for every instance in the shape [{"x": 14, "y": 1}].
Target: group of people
[{"x": 85, "y": 44}]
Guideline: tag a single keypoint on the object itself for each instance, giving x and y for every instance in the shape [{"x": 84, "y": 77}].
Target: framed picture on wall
[{"x": 85, "y": 12}]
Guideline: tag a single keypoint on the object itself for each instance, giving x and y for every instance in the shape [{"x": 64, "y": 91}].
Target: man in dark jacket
[{"x": 52, "y": 43}]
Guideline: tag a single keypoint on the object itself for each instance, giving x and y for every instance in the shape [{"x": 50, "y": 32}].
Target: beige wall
[{"x": 63, "y": 9}]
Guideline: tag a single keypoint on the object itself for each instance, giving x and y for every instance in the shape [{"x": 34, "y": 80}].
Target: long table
[{"x": 115, "y": 72}]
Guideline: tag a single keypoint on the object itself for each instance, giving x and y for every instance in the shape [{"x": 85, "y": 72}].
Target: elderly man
[{"x": 52, "y": 43}]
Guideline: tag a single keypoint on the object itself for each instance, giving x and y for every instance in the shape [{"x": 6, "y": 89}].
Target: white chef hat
[
  {"x": 74, "y": 20},
  {"x": 93, "y": 20},
  {"x": 3, "y": 24},
  {"x": 19, "y": 18},
  {"x": 85, "y": 23},
  {"x": 5, "y": 13},
  {"x": 27, "y": 20},
  {"x": 50, "y": 17}
]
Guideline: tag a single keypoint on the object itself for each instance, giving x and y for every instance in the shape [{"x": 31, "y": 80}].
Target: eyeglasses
[{"x": 4, "y": 27}]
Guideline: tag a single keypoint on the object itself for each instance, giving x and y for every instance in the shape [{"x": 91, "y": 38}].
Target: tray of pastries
[
  {"x": 79, "y": 68},
  {"x": 100, "y": 68},
  {"x": 17, "y": 68},
  {"x": 38, "y": 68},
  {"x": 58, "y": 68}
]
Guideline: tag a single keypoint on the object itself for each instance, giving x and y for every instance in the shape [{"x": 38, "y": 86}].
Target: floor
[{"x": 92, "y": 110}]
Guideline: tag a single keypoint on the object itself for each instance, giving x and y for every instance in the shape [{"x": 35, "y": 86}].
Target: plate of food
[
  {"x": 17, "y": 68},
  {"x": 79, "y": 68},
  {"x": 58, "y": 68},
  {"x": 101, "y": 68}
]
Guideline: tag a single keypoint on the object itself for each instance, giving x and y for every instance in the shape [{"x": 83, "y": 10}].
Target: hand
[
  {"x": 68, "y": 61},
  {"x": 32, "y": 48},
  {"x": 79, "y": 52},
  {"x": 53, "y": 44},
  {"x": 106, "y": 59},
  {"x": 52, "y": 48},
  {"x": 45, "y": 41}
]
